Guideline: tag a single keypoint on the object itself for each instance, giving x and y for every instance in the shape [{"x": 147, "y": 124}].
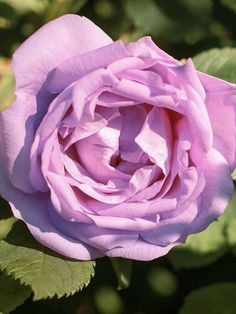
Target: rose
[{"x": 113, "y": 149}]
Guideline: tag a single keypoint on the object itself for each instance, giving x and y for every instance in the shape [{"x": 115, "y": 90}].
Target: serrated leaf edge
[{"x": 50, "y": 295}]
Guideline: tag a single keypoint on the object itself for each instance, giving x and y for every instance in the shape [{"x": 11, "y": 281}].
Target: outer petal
[
  {"x": 141, "y": 251},
  {"x": 221, "y": 106},
  {"x": 101, "y": 238},
  {"x": 171, "y": 230},
  {"x": 74, "y": 68},
  {"x": 60, "y": 39},
  {"x": 32, "y": 208},
  {"x": 17, "y": 131},
  {"x": 63, "y": 38},
  {"x": 217, "y": 192}
]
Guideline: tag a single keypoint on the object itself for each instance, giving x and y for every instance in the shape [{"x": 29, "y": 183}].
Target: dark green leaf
[
  {"x": 218, "y": 62},
  {"x": 201, "y": 249},
  {"x": 47, "y": 273},
  {"x": 231, "y": 4},
  {"x": 7, "y": 84},
  {"x": 12, "y": 293},
  {"x": 215, "y": 299},
  {"x": 151, "y": 20},
  {"x": 123, "y": 269}
]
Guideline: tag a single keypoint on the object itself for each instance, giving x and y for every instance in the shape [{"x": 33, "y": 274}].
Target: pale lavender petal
[
  {"x": 155, "y": 138},
  {"x": 124, "y": 223},
  {"x": 48, "y": 126},
  {"x": 100, "y": 238},
  {"x": 145, "y": 94},
  {"x": 96, "y": 193},
  {"x": 83, "y": 110},
  {"x": 132, "y": 122},
  {"x": 95, "y": 152},
  {"x": 65, "y": 200},
  {"x": 133, "y": 209},
  {"x": 141, "y": 251},
  {"x": 142, "y": 178},
  {"x": 173, "y": 229},
  {"x": 56, "y": 163},
  {"x": 78, "y": 173},
  {"x": 84, "y": 130},
  {"x": 129, "y": 63},
  {"x": 186, "y": 75},
  {"x": 74, "y": 68},
  {"x": 41, "y": 53},
  {"x": 32, "y": 209},
  {"x": 107, "y": 98},
  {"x": 146, "y": 48},
  {"x": 17, "y": 133},
  {"x": 217, "y": 193},
  {"x": 149, "y": 192},
  {"x": 220, "y": 104}
]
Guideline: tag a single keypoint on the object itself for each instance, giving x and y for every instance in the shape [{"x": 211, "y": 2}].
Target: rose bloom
[{"x": 113, "y": 149}]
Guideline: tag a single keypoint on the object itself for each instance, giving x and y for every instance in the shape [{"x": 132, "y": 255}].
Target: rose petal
[
  {"x": 123, "y": 223},
  {"x": 17, "y": 124},
  {"x": 130, "y": 209},
  {"x": 100, "y": 238},
  {"x": 217, "y": 193},
  {"x": 32, "y": 208},
  {"x": 141, "y": 251},
  {"x": 41, "y": 53},
  {"x": 74, "y": 68},
  {"x": 47, "y": 129},
  {"x": 171, "y": 230},
  {"x": 78, "y": 173},
  {"x": 146, "y": 48},
  {"x": 132, "y": 122},
  {"x": 65, "y": 200},
  {"x": 95, "y": 152},
  {"x": 220, "y": 103},
  {"x": 155, "y": 138}
]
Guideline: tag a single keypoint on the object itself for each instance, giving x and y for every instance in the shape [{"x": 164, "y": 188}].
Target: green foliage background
[{"x": 198, "y": 277}]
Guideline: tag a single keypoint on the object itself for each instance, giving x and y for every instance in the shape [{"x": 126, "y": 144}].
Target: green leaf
[
  {"x": 218, "y": 62},
  {"x": 12, "y": 293},
  {"x": 151, "y": 20},
  {"x": 215, "y": 299},
  {"x": 231, "y": 4},
  {"x": 230, "y": 211},
  {"x": 6, "y": 219},
  {"x": 23, "y": 7},
  {"x": 47, "y": 273},
  {"x": 7, "y": 84},
  {"x": 5, "y": 226},
  {"x": 231, "y": 232},
  {"x": 60, "y": 7},
  {"x": 184, "y": 258},
  {"x": 210, "y": 240},
  {"x": 123, "y": 269},
  {"x": 7, "y": 97},
  {"x": 181, "y": 14},
  {"x": 233, "y": 175},
  {"x": 5, "y": 209},
  {"x": 206, "y": 247},
  {"x": 159, "y": 18},
  {"x": 201, "y": 249},
  {"x": 231, "y": 225}
]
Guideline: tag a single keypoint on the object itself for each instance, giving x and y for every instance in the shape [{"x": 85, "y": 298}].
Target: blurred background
[
  {"x": 181, "y": 27},
  {"x": 199, "y": 277}
]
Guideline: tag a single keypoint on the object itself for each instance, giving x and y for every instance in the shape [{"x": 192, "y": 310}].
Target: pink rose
[{"x": 114, "y": 149}]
